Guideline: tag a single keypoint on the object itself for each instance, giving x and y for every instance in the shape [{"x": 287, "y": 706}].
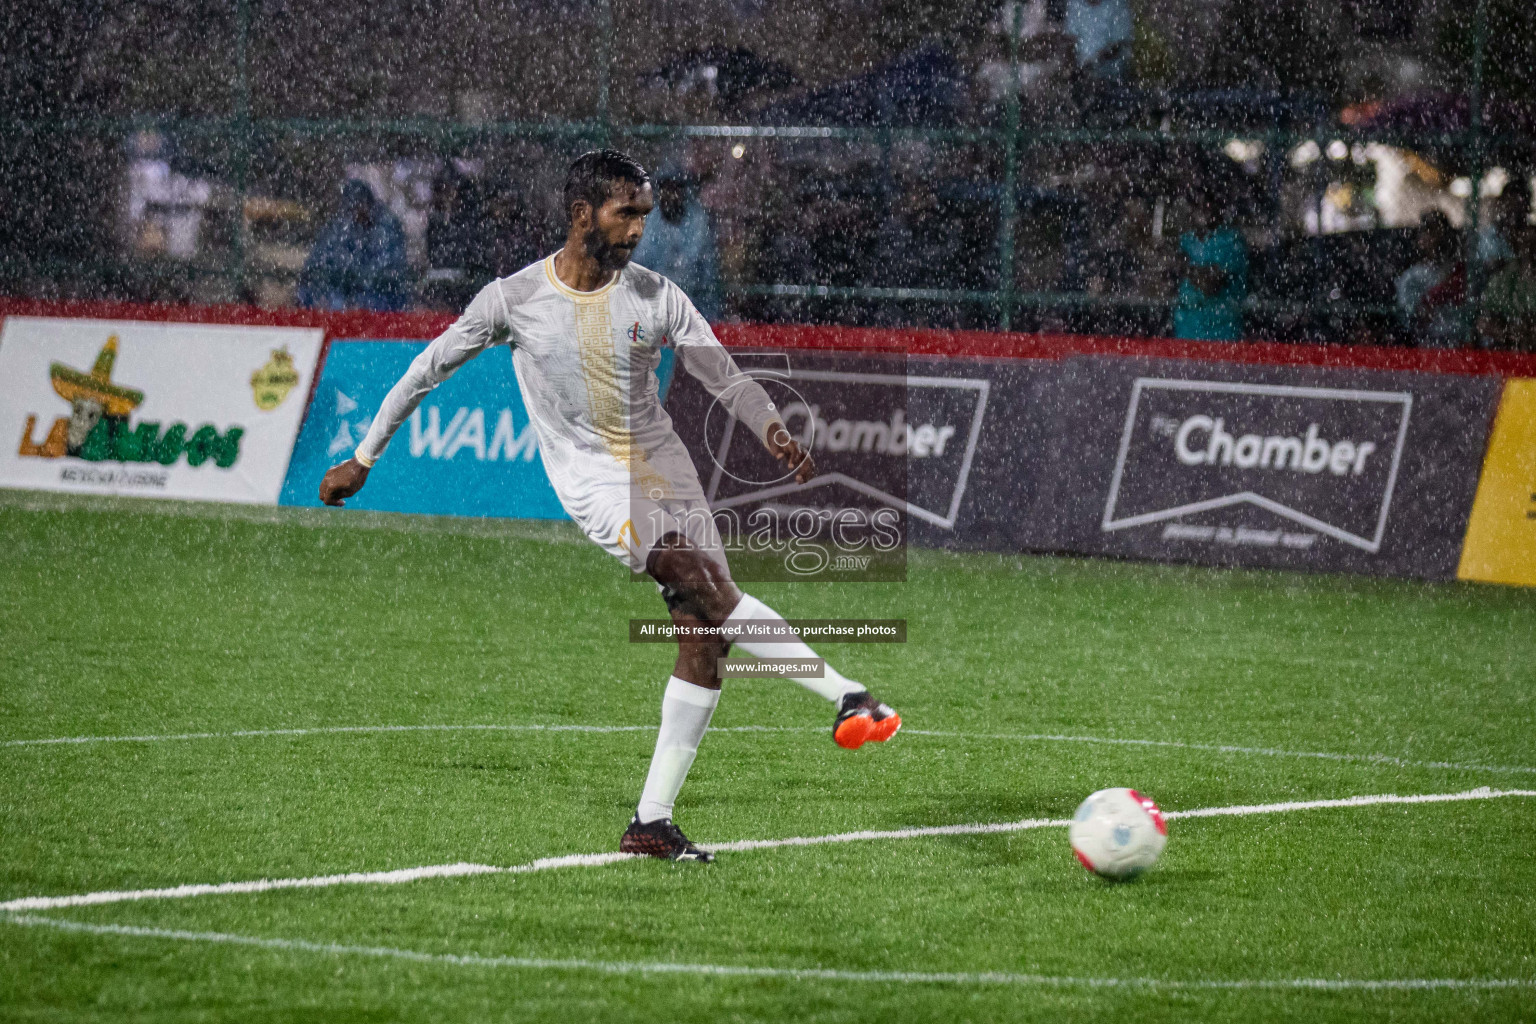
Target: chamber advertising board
[
  {"x": 469, "y": 449},
  {"x": 160, "y": 410},
  {"x": 935, "y": 452},
  {"x": 1501, "y": 536},
  {"x": 1295, "y": 467},
  {"x": 993, "y": 483},
  {"x": 849, "y": 522}
]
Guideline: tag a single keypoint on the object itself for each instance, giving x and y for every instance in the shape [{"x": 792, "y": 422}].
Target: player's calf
[{"x": 698, "y": 660}]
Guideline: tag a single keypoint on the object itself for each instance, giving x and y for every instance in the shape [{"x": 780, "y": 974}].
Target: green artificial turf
[{"x": 125, "y": 618}]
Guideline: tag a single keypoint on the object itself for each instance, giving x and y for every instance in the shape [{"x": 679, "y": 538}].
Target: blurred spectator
[
  {"x": 1509, "y": 302},
  {"x": 511, "y": 236},
  {"x": 358, "y": 262},
  {"x": 846, "y": 236},
  {"x": 1044, "y": 54},
  {"x": 473, "y": 235},
  {"x": 1214, "y": 283},
  {"x": 783, "y": 254},
  {"x": 1431, "y": 292},
  {"x": 1505, "y": 215},
  {"x": 917, "y": 244},
  {"x": 455, "y": 221},
  {"x": 1103, "y": 30},
  {"x": 679, "y": 242},
  {"x": 1102, "y": 261},
  {"x": 457, "y": 257}
]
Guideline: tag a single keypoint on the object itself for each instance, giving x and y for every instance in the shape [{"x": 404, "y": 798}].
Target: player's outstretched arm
[
  {"x": 479, "y": 327},
  {"x": 783, "y": 446},
  {"x": 701, "y": 354},
  {"x": 342, "y": 481}
]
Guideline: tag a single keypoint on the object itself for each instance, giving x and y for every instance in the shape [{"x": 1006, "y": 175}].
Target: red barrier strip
[
  {"x": 997, "y": 345},
  {"x": 349, "y": 324},
  {"x": 970, "y": 344}
]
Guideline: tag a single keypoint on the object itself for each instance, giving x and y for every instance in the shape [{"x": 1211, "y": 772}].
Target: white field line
[
  {"x": 600, "y": 859},
  {"x": 1224, "y": 748},
  {"x": 783, "y": 973},
  {"x": 341, "y": 730},
  {"x": 322, "y": 730}
]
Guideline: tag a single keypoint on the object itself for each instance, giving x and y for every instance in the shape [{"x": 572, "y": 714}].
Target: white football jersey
[{"x": 585, "y": 365}]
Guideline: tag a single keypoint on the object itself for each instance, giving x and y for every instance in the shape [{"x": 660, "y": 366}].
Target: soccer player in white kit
[{"x": 586, "y": 328}]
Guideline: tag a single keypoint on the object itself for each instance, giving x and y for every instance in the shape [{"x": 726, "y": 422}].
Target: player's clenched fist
[
  {"x": 342, "y": 482},
  {"x": 783, "y": 446}
]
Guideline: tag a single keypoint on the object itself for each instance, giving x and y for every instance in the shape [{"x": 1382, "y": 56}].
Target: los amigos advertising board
[{"x": 196, "y": 411}]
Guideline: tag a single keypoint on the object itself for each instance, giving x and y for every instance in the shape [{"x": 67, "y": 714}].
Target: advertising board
[
  {"x": 1298, "y": 467},
  {"x": 1501, "y": 536},
  {"x": 160, "y": 410},
  {"x": 945, "y": 452},
  {"x": 468, "y": 449},
  {"x": 850, "y": 521}
]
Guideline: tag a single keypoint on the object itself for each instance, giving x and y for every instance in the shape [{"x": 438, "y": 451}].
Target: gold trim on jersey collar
[{"x": 549, "y": 271}]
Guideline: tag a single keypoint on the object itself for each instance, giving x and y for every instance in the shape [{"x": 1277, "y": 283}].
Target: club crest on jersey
[{"x": 636, "y": 334}]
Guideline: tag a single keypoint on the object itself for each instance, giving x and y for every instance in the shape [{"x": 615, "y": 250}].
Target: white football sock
[
  {"x": 834, "y": 686},
  {"x": 685, "y": 713}
]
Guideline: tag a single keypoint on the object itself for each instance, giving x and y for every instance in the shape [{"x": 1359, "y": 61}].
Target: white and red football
[{"x": 1118, "y": 833}]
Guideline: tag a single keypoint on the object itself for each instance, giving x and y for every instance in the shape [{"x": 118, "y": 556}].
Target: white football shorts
[{"x": 629, "y": 527}]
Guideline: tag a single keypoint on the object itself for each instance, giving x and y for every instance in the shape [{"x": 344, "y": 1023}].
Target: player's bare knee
[
  {"x": 716, "y": 591},
  {"x": 694, "y": 581},
  {"x": 718, "y": 599}
]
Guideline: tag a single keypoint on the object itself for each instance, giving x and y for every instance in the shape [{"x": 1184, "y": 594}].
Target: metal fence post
[
  {"x": 1472, "y": 302},
  {"x": 1008, "y": 212},
  {"x": 242, "y": 144},
  {"x": 605, "y": 59}
]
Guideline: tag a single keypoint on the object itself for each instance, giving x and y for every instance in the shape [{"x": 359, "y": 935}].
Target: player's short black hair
[{"x": 594, "y": 174}]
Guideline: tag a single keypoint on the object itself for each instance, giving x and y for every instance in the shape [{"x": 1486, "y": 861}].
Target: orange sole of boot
[{"x": 861, "y": 729}]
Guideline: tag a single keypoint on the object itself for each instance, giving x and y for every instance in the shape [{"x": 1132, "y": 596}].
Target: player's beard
[{"x": 607, "y": 255}]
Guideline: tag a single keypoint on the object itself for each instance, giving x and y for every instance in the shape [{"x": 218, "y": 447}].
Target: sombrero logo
[{"x": 98, "y": 429}]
